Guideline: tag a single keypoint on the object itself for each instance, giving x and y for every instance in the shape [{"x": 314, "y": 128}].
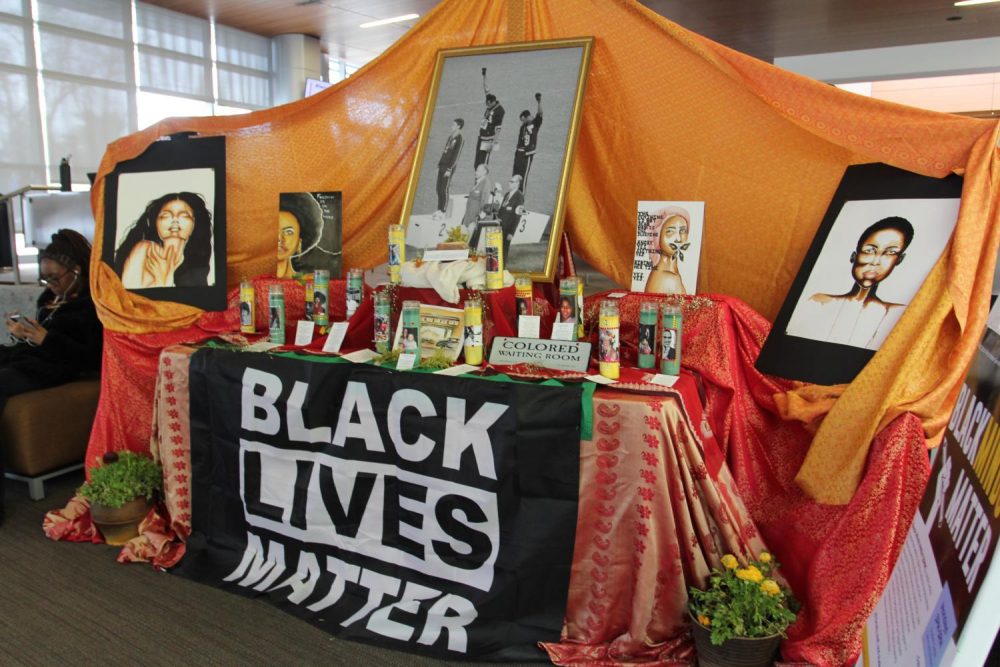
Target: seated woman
[
  {"x": 170, "y": 245},
  {"x": 64, "y": 339}
]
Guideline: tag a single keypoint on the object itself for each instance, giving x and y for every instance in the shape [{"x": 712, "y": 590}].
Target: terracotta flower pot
[
  {"x": 736, "y": 652},
  {"x": 118, "y": 525}
]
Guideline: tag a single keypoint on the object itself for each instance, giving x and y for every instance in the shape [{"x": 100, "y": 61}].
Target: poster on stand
[
  {"x": 668, "y": 239},
  {"x": 165, "y": 222},
  {"x": 939, "y": 608},
  {"x": 496, "y": 146},
  {"x": 882, "y": 234},
  {"x": 414, "y": 511},
  {"x": 310, "y": 234}
]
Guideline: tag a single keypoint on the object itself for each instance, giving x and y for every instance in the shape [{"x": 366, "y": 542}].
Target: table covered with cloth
[
  {"x": 657, "y": 509},
  {"x": 837, "y": 559}
]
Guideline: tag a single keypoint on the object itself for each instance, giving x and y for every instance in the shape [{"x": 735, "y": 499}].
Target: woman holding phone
[{"x": 63, "y": 340}]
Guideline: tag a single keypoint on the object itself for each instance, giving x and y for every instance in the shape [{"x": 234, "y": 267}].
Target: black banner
[{"x": 425, "y": 513}]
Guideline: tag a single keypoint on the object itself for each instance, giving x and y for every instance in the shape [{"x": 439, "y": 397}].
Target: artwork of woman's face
[
  {"x": 175, "y": 220},
  {"x": 674, "y": 230},
  {"x": 289, "y": 235},
  {"x": 877, "y": 256}
]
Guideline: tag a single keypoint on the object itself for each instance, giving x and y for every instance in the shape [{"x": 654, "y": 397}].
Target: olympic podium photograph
[{"x": 496, "y": 145}]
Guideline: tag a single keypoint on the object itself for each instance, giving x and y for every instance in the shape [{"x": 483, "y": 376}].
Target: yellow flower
[
  {"x": 729, "y": 562},
  {"x": 770, "y": 586},
  {"x": 704, "y": 620},
  {"x": 764, "y": 557},
  {"x": 750, "y": 573}
]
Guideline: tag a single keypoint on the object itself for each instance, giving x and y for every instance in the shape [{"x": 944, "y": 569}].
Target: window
[{"x": 77, "y": 74}]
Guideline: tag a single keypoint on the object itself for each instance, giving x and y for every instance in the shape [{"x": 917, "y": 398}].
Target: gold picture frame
[{"x": 522, "y": 125}]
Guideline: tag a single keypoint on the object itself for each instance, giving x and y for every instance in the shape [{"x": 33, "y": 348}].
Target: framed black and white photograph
[
  {"x": 165, "y": 222},
  {"x": 496, "y": 145},
  {"x": 882, "y": 234}
]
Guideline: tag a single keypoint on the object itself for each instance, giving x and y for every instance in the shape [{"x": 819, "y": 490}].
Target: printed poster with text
[
  {"x": 939, "y": 607},
  {"x": 668, "y": 239}
]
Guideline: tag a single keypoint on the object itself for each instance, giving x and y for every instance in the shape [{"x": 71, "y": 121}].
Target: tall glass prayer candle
[
  {"x": 383, "y": 315},
  {"x": 670, "y": 351},
  {"x": 355, "y": 288},
  {"x": 409, "y": 342},
  {"x": 276, "y": 313},
  {"x": 523, "y": 295},
  {"x": 493, "y": 247},
  {"x": 247, "y": 307},
  {"x": 321, "y": 297},
  {"x": 397, "y": 253},
  {"x": 649, "y": 312},
  {"x": 308, "y": 291},
  {"x": 607, "y": 351},
  {"x": 579, "y": 308},
  {"x": 567, "y": 311},
  {"x": 473, "y": 331}
]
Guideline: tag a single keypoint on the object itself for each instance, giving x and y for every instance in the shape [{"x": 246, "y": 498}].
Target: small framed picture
[{"x": 882, "y": 233}]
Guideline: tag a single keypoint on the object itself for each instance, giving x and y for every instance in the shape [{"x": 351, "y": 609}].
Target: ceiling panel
[{"x": 763, "y": 28}]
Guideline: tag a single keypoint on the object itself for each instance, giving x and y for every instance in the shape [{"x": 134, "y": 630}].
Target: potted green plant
[
  {"x": 120, "y": 492},
  {"x": 742, "y": 614}
]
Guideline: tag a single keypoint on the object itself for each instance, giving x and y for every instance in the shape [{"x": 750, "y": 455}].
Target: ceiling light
[
  {"x": 964, "y": 3},
  {"x": 407, "y": 17}
]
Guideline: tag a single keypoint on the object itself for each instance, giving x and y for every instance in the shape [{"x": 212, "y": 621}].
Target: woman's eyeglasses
[{"x": 46, "y": 281}]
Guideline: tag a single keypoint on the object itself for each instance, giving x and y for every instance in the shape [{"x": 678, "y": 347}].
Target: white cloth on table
[{"x": 447, "y": 277}]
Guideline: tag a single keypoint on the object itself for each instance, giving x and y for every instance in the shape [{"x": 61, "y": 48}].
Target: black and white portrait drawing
[{"x": 874, "y": 260}]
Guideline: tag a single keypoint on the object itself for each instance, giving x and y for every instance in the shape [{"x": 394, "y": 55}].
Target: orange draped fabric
[{"x": 667, "y": 114}]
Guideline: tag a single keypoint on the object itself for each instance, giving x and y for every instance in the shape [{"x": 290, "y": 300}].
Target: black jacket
[{"x": 72, "y": 345}]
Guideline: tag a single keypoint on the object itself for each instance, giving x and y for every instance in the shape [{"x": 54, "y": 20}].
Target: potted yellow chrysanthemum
[{"x": 740, "y": 618}]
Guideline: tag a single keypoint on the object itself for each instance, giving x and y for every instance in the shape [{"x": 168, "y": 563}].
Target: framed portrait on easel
[
  {"x": 882, "y": 234},
  {"x": 165, "y": 222},
  {"x": 496, "y": 145}
]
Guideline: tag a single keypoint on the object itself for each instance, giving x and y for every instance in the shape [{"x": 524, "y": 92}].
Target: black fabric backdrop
[{"x": 403, "y": 512}]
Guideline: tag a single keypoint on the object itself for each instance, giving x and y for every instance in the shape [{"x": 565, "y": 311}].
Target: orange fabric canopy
[{"x": 667, "y": 115}]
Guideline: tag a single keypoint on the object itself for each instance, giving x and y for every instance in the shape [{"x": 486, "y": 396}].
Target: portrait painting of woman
[
  {"x": 668, "y": 247},
  {"x": 309, "y": 234},
  {"x": 170, "y": 245}
]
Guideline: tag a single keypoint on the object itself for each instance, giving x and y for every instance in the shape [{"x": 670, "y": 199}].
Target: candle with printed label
[
  {"x": 670, "y": 347},
  {"x": 409, "y": 341},
  {"x": 567, "y": 311},
  {"x": 397, "y": 253},
  {"x": 607, "y": 350},
  {"x": 648, "y": 314},
  {"x": 308, "y": 292},
  {"x": 473, "y": 331},
  {"x": 383, "y": 318},
  {"x": 579, "y": 308},
  {"x": 355, "y": 288},
  {"x": 276, "y": 313},
  {"x": 321, "y": 297},
  {"x": 523, "y": 295},
  {"x": 247, "y": 307},
  {"x": 493, "y": 248}
]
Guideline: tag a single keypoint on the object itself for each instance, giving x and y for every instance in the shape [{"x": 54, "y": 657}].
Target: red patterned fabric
[
  {"x": 655, "y": 515},
  {"x": 836, "y": 558}
]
